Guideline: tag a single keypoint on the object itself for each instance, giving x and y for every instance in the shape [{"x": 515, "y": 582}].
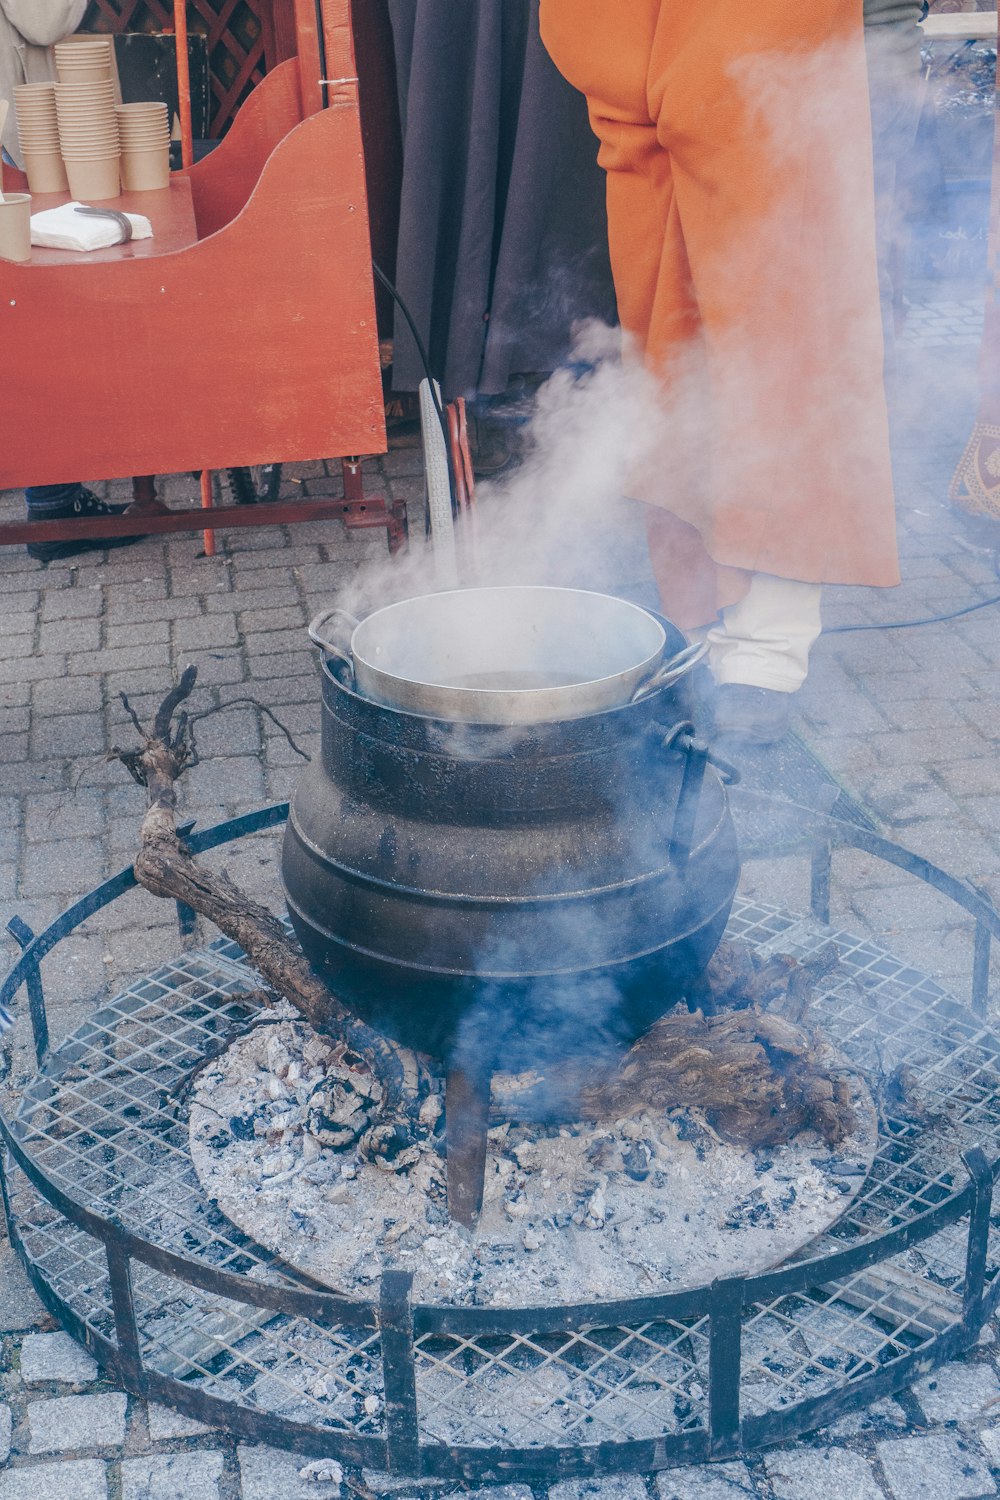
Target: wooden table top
[{"x": 169, "y": 210}]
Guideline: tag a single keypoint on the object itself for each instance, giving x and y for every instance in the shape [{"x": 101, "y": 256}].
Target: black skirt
[{"x": 503, "y": 231}]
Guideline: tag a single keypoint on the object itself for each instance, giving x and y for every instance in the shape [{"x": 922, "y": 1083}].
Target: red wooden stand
[{"x": 253, "y": 343}]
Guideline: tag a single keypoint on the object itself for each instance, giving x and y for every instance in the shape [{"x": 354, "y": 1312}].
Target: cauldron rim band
[
  {"x": 366, "y": 704},
  {"x": 455, "y": 898},
  {"x": 514, "y": 975}
]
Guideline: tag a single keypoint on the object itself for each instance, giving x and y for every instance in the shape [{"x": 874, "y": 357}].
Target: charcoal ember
[
  {"x": 242, "y": 1127},
  {"x": 603, "y": 1152},
  {"x": 430, "y": 1111},
  {"x": 316, "y": 1052},
  {"x": 392, "y": 1146},
  {"x": 429, "y": 1176},
  {"x": 341, "y": 1106},
  {"x": 636, "y": 1161}
]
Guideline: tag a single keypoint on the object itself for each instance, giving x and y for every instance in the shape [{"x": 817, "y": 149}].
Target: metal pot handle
[
  {"x": 340, "y": 653},
  {"x": 669, "y": 672},
  {"x": 697, "y": 755}
]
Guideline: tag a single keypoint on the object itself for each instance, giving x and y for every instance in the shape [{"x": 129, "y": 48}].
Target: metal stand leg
[{"x": 467, "y": 1108}]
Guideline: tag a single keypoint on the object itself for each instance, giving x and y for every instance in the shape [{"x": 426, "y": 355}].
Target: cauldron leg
[{"x": 467, "y": 1108}]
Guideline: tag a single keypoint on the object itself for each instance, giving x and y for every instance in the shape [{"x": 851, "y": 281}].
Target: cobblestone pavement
[{"x": 909, "y": 720}]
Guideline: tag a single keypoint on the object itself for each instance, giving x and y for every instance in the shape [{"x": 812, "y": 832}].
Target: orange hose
[{"x": 183, "y": 82}]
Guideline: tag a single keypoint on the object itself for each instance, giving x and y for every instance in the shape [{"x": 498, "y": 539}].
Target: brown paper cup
[
  {"x": 145, "y": 171},
  {"x": 15, "y": 227},
  {"x": 94, "y": 179},
  {"x": 46, "y": 172},
  {"x": 87, "y": 41},
  {"x": 95, "y": 72}
]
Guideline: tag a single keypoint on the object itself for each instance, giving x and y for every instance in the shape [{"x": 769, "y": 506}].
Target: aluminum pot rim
[{"x": 507, "y": 706}]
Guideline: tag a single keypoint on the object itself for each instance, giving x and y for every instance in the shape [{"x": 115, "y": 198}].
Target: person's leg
[
  {"x": 54, "y": 502},
  {"x": 764, "y": 641},
  {"x": 47, "y": 500}
]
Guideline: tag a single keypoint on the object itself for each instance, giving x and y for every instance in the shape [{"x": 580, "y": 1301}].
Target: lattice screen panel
[{"x": 239, "y": 37}]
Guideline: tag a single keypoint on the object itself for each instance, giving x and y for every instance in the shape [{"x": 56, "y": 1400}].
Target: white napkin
[{"x": 63, "y": 229}]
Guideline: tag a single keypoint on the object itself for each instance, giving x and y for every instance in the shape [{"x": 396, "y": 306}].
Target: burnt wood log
[
  {"x": 759, "y": 1079},
  {"x": 165, "y": 866}
]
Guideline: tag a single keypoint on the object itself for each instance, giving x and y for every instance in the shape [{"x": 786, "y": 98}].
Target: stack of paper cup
[
  {"x": 68, "y": 66},
  {"x": 85, "y": 60},
  {"x": 88, "y": 137},
  {"x": 145, "y": 145},
  {"x": 38, "y": 132}
]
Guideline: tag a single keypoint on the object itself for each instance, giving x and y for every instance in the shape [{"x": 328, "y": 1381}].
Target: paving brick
[
  {"x": 14, "y": 694},
  {"x": 32, "y": 668},
  {"x": 69, "y": 867},
  {"x": 207, "y": 576},
  {"x": 124, "y": 612},
  {"x": 154, "y": 681},
  {"x": 6, "y": 1428},
  {"x": 172, "y": 1476},
  {"x": 22, "y": 592},
  {"x": 28, "y": 779},
  {"x": 292, "y": 617},
  {"x": 18, "y": 647},
  {"x": 137, "y": 633},
  {"x": 614, "y": 1487},
  {"x": 80, "y": 1479},
  {"x": 226, "y": 779},
  {"x": 204, "y": 631},
  {"x": 268, "y": 1473},
  {"x": 294, "y": 663},
  {"x": 303, "y": 687},
  {"x": 292, "y": 642},
  {"x": 14, "y": 720},
  {"x": 706, "y": 1482},
  {"x": 13, "y": 747},
  {"x": 215, "y": 667},
  {"x": 65, "y": 1424},
  {"x": 166, "y": 1424},
  {"x": 805, "y": 1473},
  {"x": 286, "y": 597},
  {"x": 73, "y": 604},
  {"x": 958, "y": 1392},
  {"x": 55, "y": 1356},
  {"x": 124, "y": 659},
  {"x": 69, "y": 735},
  {"x": 230, "y": 731},
  {"x": 934, "y": 1464},
  {"x": 19, "y": 624},
  {"x": 19, "y": 1307},
  {"x": 68, "y": 696},
  {"x": 71, "y": 635}
]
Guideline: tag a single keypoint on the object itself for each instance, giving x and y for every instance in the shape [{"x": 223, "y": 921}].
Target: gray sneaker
[{"x": 754, "y": 715}]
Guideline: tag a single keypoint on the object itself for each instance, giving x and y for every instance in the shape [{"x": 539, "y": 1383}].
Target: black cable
[
  {"x": 955, "y": 614},
  {"x": 421, "y": 347}
]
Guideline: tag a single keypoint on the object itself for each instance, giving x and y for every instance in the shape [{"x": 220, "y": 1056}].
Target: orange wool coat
[{"x": 736, "y": 139}]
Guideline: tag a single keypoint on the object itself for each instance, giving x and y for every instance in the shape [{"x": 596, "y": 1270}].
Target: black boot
[{"x": 86, "y": 504}]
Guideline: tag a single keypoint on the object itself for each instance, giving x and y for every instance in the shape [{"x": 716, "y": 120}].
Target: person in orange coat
[{"x": 736, "y": 140}]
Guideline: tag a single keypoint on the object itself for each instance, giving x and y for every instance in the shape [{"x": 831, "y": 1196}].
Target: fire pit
[{"x": 123, "y": 1244}]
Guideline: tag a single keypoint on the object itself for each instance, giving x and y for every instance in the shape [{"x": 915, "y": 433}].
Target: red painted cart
[{"x": 244, "y": 333}]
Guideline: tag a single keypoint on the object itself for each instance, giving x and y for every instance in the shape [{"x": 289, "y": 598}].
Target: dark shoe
[
  {"x": 85, "y": 505},
  {"x": 752, "y": 715}
]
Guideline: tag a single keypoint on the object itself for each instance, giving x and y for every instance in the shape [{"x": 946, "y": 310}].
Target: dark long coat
[{"x": 503, "y": 233}]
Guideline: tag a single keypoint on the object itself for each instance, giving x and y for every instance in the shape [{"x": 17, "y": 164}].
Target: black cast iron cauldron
[{"x": 511, "y": 895}]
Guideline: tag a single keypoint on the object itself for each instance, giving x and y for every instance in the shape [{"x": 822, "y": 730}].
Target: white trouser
[{"x": 764, "y": 640}]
